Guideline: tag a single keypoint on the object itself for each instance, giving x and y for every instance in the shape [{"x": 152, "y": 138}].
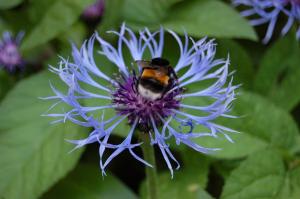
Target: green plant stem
[{"x": 151, "y": 175}]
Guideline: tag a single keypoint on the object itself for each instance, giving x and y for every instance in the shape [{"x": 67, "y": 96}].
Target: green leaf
[
  {"x": 34, "y": 153},
  {"x": 279, "y": 73},
  {"x": 112, "y": 18},
  {"x": 86, "y": 182},
  {"x": 261, "y": 124},
  {"x": 6, "y": 4},
  {"x": 181, "y": 187},
  {"x": 189, "y": 182},
  {"x": 37, "y": 9},
  {"x": 287, "y": 86},
  {"x": 291, "y": 187},
  {"x": 273, "y": 62},
  {"x": 146, "y": 11},
  {"x": 208, "y": 18},
  {"x": 3, "y": 26},
  {"x": 197, "y": 17},
  {"x": 295, "y": 183},
  {"x": 259, "y": 176},
  {"x": 285, "y": 190},
  {"x": 6, "y": 83},
  {"x": 225, "y": 167},
  {"x": 58, "y": 18},
  {"x": 76, "y": 34},
  {"x": 195, "y": 166},
  {"x": 240, "y": 61}
]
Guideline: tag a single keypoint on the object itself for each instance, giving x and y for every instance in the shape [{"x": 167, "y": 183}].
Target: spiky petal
[{"x": 268, "y": 11}]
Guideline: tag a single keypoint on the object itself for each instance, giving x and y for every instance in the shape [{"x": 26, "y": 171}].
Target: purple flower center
[
  {"x": 130, "y": 102},
  {"x": 10, "y": 55}
]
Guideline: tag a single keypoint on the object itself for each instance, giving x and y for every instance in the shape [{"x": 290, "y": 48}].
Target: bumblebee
[{"x": 156, "y": 78}]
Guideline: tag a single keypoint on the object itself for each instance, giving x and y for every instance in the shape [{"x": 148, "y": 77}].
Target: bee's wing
[{"x": 143, "y": 63}]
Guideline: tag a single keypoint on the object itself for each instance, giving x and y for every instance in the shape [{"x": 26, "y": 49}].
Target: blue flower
[
  {"x": 163, "y": 118},
  {"x": 268, "y": 11},
  {"x": 10, "y": 56}
]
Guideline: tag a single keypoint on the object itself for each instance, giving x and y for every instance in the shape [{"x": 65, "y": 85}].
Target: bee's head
[{"x": 160, "y": 62}]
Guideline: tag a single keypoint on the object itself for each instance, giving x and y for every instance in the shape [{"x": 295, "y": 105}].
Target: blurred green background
[{"x": 264, "y": 161}]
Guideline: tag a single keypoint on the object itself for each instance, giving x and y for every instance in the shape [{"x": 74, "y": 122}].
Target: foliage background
[{"x": 264, "y": 161}]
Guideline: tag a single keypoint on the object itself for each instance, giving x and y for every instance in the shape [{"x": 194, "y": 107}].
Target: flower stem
[{"x": 151, "y": 175}]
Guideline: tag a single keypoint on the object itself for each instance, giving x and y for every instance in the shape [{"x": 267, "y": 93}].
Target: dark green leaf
[
  {"x": 146, "y": 11},
  {"x": 75, "y": 34},
  {"x": 37, "y": 9},
  {"x": 273, "y": 62},
  {"x": 112, "y": 18},
  {"x": 6, "y": 82},
  {"x": 291, "y": 187},
  {"x": 196, "y": 166},
  {"x": 59, "y": 17},
  {"x": 279, "y": 73},
  {"x": 189, "y": 182},
  {"x": 285, "y": 190},
  {"x": 286, "y": 94},
  {"x": 240, "y": 61},
  {"x": 261, "y": 124},
  {"x": 6, "y": 4},
  {"x": 225, "y": 167},
  {"x": 259, "y": 176},
  {"x": 3, "y": 26},
  {"x": 198, "y": 18},
  {"x": 208, "y": 18},
  {"x": 34, "y": 153},
  {"x": 295, "y": 183},
  {"x": 86, "y": 182}
]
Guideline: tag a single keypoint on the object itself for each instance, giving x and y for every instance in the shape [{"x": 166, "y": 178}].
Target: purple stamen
[{"x": 129, "y": 101}]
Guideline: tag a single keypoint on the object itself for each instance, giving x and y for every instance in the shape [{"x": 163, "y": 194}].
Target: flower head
[
  {"x": 94, "y": 11},
  {"x": 268, "y": 11},
  {"x": 10, "y": 57},
  {"x": 163, "y": 115}
]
